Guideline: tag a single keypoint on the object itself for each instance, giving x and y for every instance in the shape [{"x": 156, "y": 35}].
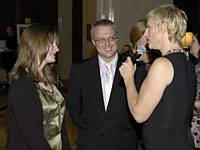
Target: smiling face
[
  {"x": 51, "y": 55},
  {"x": 105, "y": 41}
]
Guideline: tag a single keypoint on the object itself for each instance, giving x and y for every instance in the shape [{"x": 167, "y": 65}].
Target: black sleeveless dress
[{"x": 168, "y": 128}]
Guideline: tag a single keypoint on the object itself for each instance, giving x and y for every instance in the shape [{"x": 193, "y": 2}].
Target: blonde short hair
[{"x": 175, "y": 18}]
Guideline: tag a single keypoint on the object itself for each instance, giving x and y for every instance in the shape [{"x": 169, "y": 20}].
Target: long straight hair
[{"x": 33, "y": 48}]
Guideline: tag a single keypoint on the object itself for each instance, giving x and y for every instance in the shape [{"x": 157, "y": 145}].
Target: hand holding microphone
[
  {"x": 127, "y": 69},
  {"x": 139, "y": 51}
]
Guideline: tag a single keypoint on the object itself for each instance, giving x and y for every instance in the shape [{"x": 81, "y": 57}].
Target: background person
[
  {"x": 101, "y": 115},
  {"x": 36, "y": 109},
  {"x": 11, "y": 38},
  {"x": 9, "y": 55},
  {"x": 194, "y": 50},
  {"x": 138, "y": 37},
  {"x": 167, "y": 92}
]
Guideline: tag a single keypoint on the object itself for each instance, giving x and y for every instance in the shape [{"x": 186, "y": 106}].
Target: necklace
[{"x": 178, "y": 51}]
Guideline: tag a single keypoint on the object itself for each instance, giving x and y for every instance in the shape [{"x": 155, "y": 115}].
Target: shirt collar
[{"x": 113, "y": 62}]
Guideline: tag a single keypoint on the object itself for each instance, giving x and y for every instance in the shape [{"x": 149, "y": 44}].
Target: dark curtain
[
  {"x": 76, "y": 30},
  {"x": 7, "y": 15},
  {"x": 192, "y": 9}
]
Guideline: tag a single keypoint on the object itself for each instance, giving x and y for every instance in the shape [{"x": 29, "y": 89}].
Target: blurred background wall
[{"x": 73, "y": 19}]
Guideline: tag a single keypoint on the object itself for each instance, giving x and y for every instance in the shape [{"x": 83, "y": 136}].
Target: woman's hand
[{"x": 127, "y": 70}]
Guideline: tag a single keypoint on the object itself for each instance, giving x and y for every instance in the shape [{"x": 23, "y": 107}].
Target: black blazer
[
  {"x": 99, "y": 129},
  {"x": 25, "y": 118}
]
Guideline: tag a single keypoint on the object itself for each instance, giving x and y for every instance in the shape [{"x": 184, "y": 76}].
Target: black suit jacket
[
  {"x": 25, "y": 118},
  {"x": 99, "y": 129}
]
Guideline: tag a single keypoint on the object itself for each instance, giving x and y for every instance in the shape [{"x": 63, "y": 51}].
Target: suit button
[
  {"x": 104, "y": 133},
  {"x": 106, "y": 118}
]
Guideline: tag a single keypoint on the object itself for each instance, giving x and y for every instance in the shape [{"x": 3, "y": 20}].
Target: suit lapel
[
  {"x": 117, "y": 92},
  {"x": 94, "y": 81}
]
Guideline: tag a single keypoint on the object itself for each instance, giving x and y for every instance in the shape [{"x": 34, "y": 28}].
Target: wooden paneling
[
  {"x": 14, "y": 12},
  {"x": 89, "y": 18},
  {"x": 42, "y": 11},
  {"x": 192, "y": 10}
]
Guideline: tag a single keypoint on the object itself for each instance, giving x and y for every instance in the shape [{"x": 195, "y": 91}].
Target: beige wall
[
  {"x": 126, "y": 12},
  {"x": 65, "y": 36}
]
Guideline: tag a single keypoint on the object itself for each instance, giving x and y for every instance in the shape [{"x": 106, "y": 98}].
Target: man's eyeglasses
[{"x": 103, "y": 40}]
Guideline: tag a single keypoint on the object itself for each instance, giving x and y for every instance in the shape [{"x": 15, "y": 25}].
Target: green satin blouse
[{"x": 53, "y": 105}]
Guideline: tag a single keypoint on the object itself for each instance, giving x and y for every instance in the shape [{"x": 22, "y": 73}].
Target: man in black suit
[{"x": 101, "y": 114}]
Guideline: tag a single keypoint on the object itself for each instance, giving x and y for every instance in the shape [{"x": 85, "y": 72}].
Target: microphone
[
  {"x": 139, "y": 51},
  {"x": 134, "y": 56}
]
